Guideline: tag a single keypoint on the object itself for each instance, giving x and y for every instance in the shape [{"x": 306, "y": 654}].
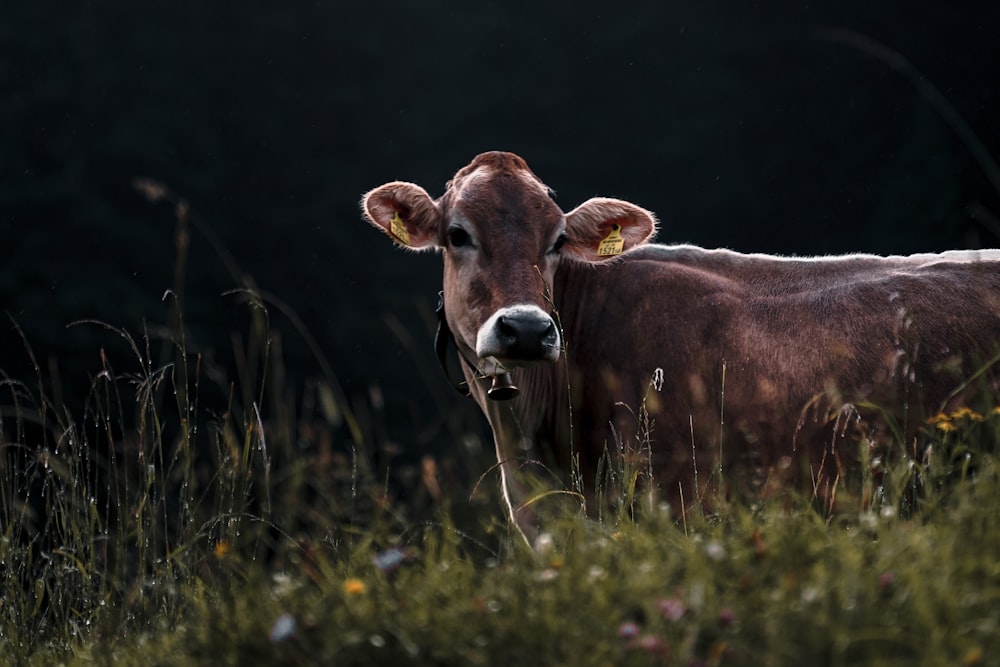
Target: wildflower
[
  {"x": 942, "y": 417},
  {"x": 672, "y": 609},
  {"x": 665, "y": 508},
  {"x": 651, "y": 644},
  {"x": 283, "y": 584},
  {"x": 221, "y": 549},
  {"x": 810, "y": 594},
  {"x": 942, "y": 421},
  {"x": 967, "y": 413},
  {"x": 715, "y": 551},
  {"x": 974, "y": 656},
  {"x": 390, "y": 560},
  {"x": 548, "y": 574},
  {"x": 544, "y": 544},
  {"x": 726, "y": 617},
  {"x": 868, "y": 520},
  {"x": 596, "y": 573},
  {"x": 628, "y": 630},
  {"x": 354, "y": 587},
  {"x": 283, "y": 629}
]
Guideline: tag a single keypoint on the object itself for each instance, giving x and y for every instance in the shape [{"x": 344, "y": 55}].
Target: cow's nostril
[
  {"x": 507, "y": 331},
  {"x": 549, "y": 335}
]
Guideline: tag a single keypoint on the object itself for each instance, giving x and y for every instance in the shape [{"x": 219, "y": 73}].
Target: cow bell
[{"x": 503, "y": 389}]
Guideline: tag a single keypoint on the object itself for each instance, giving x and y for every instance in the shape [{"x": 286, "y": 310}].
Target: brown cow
[{"x": 757, "y": 364}]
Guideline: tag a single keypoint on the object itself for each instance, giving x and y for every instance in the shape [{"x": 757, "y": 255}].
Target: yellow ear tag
[
  {"x": 613, "y": 243},
  {"x": 399, "y": 229}
]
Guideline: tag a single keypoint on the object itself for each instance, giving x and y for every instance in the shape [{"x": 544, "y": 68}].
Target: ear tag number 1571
[{"x": 613, "y": 243}]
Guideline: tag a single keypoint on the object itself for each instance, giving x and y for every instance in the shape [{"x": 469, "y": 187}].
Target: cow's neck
[{"x": 580, "y": 291}]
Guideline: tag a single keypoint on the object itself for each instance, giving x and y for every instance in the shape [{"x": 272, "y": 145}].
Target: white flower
[{"x": 715, "y": 551}]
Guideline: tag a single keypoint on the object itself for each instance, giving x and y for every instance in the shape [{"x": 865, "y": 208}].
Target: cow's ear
[
  {"x": 602, "y": 228},
  {"x": 405, "y": 212}
]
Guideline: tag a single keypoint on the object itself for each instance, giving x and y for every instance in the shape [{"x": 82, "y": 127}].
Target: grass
[
  {"x": 166, "y": 518},
  {"x": 772, "y": 584}
]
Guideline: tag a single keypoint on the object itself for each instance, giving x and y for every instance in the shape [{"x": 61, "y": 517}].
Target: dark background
[{"x": 770, "y": 127}]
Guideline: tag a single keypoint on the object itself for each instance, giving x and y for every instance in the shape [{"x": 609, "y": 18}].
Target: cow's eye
[
  {"x": 458, "y": 237},
  {"x": 557, "y": 246}
]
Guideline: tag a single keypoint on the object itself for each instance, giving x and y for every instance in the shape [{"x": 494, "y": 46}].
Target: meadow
[{"x": 156, "y": 520}]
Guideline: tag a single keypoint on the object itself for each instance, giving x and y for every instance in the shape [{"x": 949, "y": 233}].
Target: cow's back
[{"x": 764, "y": 358}]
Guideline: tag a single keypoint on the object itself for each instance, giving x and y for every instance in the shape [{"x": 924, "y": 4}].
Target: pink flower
[
  {"x": 628, "y": 630},
  {"x": 651, "y": 644},
  {"x": 672, "y": 609}
]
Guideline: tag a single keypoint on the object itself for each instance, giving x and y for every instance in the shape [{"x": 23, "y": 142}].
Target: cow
[{"x": 580, "y": 339}]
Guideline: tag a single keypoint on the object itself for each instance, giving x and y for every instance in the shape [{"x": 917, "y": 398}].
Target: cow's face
[{"x": 503, "y": 236}]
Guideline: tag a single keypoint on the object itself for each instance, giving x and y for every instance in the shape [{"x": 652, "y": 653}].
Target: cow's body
[{"x": 766, "y": 362}]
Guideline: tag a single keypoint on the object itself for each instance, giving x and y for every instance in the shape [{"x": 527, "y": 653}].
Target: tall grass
[
  {"x": 168, "y": 517},
  {"x": 775, "y": 584},
  {"x": 166, "y": 478}
]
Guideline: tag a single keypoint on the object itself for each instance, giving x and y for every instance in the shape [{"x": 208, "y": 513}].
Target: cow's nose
[
  {"x": 526, "y": 336},
  {"x": 522, "y": 333}
]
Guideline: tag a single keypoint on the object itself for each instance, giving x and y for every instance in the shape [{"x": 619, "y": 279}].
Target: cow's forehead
[
  {"x": 508, "y": 188},
  {"x": 493, "y": 162}
]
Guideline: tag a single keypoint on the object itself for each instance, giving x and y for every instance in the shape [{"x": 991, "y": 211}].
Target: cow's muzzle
[{"x": 519, "y": 335}]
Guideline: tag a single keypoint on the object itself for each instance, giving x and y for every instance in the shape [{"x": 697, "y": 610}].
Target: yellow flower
[
  {"x": 945, "y": 426},
  {"x": 941, "y": 417},
  {"x": 966, "y": 413},
  {"x": 974, "y": 656},
  {"x": 221, "y": 549},
  {"x": 354, "y": 587}
]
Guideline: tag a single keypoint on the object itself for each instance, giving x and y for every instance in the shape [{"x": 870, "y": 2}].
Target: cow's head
[{"x": 503, "y": 236}]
